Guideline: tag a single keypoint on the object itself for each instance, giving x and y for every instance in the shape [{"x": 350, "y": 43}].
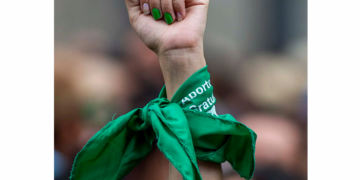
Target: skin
[{"x": 179, "y": 47}]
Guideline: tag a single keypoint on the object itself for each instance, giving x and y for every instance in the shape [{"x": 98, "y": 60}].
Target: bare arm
[
  {"x": 179, "y": 46},
  {"x": 176, "y": 70}
]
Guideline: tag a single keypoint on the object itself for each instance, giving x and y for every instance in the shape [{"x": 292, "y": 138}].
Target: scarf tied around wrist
[{"x": 186, "y": 128}]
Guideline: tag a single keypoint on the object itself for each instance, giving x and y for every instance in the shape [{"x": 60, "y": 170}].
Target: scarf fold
[{"x": 186, "y": 129}]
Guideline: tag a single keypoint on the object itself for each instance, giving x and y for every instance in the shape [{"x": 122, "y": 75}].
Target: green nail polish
[
  {"x": 168, "y": 18},
  {"x": 156, "y": 13}
]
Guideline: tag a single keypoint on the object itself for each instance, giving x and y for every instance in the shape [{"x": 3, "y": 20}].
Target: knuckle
[
  {"x": 154, "y": 3},
  {"x": 165, "y": 3},
  {"x": 177, "y": 1}
]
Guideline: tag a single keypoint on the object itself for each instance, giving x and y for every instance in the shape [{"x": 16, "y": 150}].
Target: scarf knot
[
  {"x": 183, "y": 136},
  {"x": 153, "y": 105}
]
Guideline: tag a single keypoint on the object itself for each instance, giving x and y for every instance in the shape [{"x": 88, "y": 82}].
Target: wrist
[
  {"x": 182, "y": 59},
  {"x": 179, "y": 64}
]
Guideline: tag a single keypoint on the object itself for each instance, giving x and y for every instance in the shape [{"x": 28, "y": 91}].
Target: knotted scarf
[{"x": 186, "y": 128}]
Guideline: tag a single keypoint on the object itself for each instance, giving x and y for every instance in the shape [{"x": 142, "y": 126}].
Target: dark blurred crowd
[
  {"x": 256, "y": 52},
  {"x": 94, "y": 79}
]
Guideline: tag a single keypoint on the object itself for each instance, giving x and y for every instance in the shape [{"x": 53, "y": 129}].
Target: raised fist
[{"x": 168, "y": 25}]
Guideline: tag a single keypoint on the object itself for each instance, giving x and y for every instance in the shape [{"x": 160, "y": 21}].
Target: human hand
[
  {"x": 165, "y": 37},
  {"x": 179, "y": 45}
]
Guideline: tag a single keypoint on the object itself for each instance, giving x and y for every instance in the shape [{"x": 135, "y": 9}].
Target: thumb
[{"x": 134, "y": 10}]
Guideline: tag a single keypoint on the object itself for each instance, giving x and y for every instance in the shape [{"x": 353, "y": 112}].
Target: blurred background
[{"x": 256, "y": 53}]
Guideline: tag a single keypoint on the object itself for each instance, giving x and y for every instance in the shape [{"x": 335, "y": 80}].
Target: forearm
[{"x": 177, "y": 66}]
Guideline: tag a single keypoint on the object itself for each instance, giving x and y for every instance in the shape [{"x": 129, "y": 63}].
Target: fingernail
[
  {"x": 156, "y": 13},
  {"x": 168, "y": 18},
  {"x": 146, "y": 8},
  {"x": 179, "y": 16}
]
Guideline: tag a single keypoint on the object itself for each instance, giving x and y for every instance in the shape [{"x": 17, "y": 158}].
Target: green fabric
[{"x": 186, "y": 128}]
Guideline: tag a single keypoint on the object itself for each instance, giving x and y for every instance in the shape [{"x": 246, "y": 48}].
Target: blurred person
[
  {"x": 67, "y": 126},
  {"x": 93, "y": 77},
  {"x": 279, "y": 154},
  {"x": 101, "y": 86},
  {"x": 86, "y": 97},
  {"x": 273, "y": 82},
  {"x": 67, "y": 131}
]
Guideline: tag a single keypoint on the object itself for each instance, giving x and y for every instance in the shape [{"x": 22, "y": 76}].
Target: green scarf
[{"x": 186, "y": 128}]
